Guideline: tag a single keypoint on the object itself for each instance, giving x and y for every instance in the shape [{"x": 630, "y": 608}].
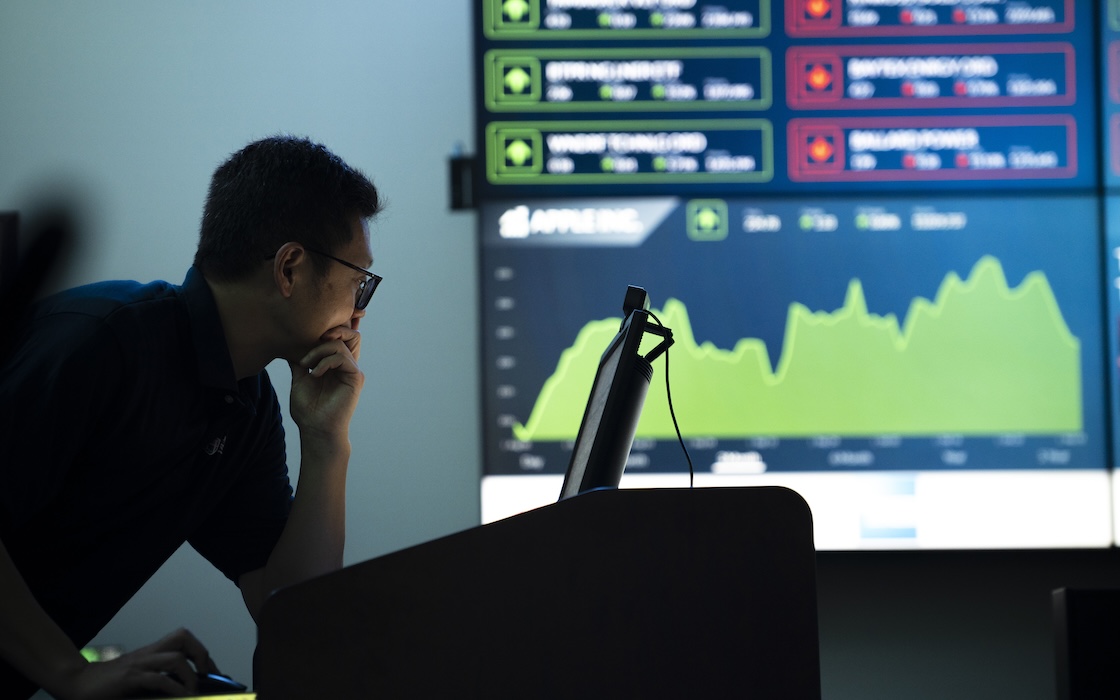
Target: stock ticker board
[
  {"x": 833, "y": 203},
  {"x": 637, "y": 97}
]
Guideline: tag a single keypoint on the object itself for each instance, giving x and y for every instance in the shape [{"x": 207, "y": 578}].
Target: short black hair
[{"x": 273, "y": 191}]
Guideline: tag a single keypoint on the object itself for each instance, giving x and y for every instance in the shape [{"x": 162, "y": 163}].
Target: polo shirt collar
[{"x": 215, "y": 367}]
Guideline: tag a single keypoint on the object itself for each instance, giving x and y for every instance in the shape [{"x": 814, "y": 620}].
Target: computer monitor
[{"x": 618, "y": 394}]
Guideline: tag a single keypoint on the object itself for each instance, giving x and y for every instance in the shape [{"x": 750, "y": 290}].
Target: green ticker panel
[
  {"x": 620, "y": 80},
  {"x": 648, "y": 152},
  {"x": 523, "y": 19}
]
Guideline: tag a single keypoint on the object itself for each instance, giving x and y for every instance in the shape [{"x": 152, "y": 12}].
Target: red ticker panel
[
  {"x": 867, "y": 18},
  {"x": 927, "y": 148}
]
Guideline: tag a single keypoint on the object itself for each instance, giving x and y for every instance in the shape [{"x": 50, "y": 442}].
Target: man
[{"x": 138, "y": 417}]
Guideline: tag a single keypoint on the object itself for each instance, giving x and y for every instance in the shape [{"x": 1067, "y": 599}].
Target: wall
[{"x": 131, "y": 104}]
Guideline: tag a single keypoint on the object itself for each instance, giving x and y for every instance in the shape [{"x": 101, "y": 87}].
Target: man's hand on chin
[{"x": 326, "y": 384}]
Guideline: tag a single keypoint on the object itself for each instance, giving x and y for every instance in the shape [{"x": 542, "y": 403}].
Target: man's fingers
[
  {"x": 328, "y": 363},
  {"x": 165, "y": 672},
  {"x": 330, "y": 355},
  {"x": 175, "y": 662},
  {"x": 181, "y": 675},
  {"x": 155, "y": 683},
  {"x": 199, "y": 655},
  {"x": 349, "y": 337},
  {"x": 181, "y": 640}
]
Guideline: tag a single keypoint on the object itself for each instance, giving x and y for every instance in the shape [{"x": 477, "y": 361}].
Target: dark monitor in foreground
[{"x": 618, "y": 393}]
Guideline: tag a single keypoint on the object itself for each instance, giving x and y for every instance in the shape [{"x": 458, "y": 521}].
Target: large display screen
[{"x": 881, "y": 231}]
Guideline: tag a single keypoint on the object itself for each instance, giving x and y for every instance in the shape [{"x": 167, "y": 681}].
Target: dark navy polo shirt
[{"x": 125, "y": 434}]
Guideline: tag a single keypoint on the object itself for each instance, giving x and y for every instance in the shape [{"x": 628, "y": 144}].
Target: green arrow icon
[
  {"x": 518, "y": 152},
  {"x": 659, "y": 163},
  {"x": 607, "y": 164},
  {"x": 605, "y": 92},
  {"x": 517, "y": 80},
  {"x": 707, "y": 219},
  {"x": 515, "y": 9}
]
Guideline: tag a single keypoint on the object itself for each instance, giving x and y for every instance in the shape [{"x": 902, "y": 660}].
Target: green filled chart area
[{"x": 954, "y": 365}]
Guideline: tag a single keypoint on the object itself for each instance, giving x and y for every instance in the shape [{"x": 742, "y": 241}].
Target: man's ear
[{"x": 290, "y": 261}]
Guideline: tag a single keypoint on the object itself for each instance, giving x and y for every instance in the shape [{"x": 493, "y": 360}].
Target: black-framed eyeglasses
[{"x": 367, "y": 288}]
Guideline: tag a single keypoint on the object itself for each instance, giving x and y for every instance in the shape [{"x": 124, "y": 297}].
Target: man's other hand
[{"x": 170, "y": 667}]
